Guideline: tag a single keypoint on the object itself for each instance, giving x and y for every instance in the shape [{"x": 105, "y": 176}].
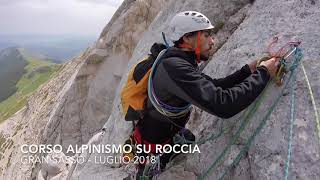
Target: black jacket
[{"x": 178, "y": 81}]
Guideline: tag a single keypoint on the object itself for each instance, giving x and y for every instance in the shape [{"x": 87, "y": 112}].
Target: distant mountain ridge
[
  {"x": 57, "y": 48},
  {"x": 21, "y": 72},
  {"x": 12, "y": 65}
]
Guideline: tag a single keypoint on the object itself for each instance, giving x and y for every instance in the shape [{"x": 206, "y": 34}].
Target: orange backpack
[{"x": 135, "y": 92}]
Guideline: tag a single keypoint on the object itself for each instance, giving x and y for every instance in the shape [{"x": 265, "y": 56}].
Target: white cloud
[
  {"x": 77, "y": 17},
  {"x": 114, "y": 3}
]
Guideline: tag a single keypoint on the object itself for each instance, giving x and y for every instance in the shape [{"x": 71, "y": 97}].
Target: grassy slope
[{"x": 25, "y": 87}]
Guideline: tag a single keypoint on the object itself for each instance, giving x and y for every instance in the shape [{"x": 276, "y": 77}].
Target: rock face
[{"x": 84, "y": 97}]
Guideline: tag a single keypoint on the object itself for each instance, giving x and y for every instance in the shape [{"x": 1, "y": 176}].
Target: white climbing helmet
[{"x": 188, "y": 21}]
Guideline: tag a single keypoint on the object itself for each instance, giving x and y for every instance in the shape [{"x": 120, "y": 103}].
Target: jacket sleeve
[
  {"x": 233, "y": 79},
  {"x": 185, "y": 82}
]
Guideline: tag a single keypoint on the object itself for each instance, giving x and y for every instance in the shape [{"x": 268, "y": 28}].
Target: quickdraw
[
  {"x": 129, "y": 155},
  {"x": 284, "y": 56},
  {"x": 145, "y": 171},
  {"x": 149, "y": 171}
]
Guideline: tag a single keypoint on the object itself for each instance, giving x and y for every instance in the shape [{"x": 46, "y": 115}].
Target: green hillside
[{"x": 37, "y": 72}]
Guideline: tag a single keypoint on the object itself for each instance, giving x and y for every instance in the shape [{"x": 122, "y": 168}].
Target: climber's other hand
[{"x": 272, "y": 65}]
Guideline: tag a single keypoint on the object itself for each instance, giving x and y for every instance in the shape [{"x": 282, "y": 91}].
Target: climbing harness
[
  {"x": 150, "y": 167},
  {"x": 290, "y": 66}
]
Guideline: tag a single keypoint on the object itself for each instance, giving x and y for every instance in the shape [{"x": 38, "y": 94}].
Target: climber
[{"x": 178, "y": 83}]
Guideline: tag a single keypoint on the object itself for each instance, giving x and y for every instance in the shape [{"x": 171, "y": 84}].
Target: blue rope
[
  {"x": 292, "y": 110},
  {"x": 298, "y": 56},
  {"x": 165, "y": 40}
]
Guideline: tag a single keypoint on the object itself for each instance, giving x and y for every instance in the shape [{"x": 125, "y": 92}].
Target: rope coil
[{"x": 167, "y": 110}]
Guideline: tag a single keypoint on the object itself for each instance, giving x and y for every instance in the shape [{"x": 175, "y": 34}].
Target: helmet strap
[{"x": 197, "y": 49}]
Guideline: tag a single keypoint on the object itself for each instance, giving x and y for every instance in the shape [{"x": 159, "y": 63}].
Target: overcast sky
[{"x": 55, "y": 17}]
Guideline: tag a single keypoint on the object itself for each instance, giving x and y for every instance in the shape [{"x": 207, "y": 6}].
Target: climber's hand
[
  {"x": 253, "y": 66},
  {"x": 272, "y": 66}
]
